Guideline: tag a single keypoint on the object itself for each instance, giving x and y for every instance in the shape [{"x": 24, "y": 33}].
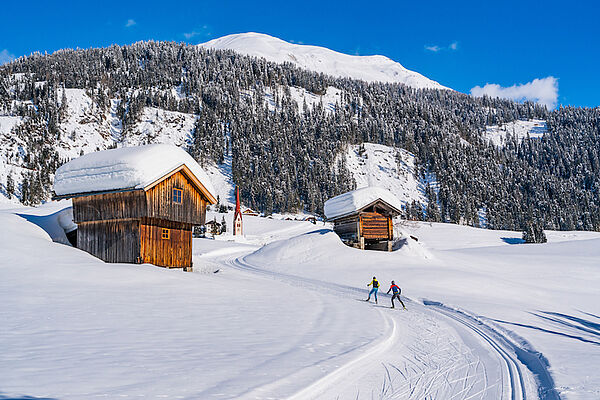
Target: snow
[
  {"x": 388, "y": 167},
  {"x": 285, "y": 316},
  {"x": 222, "y": 180},
  {"x": 161, "y": 126},
  {"x": 124, "y": 168},
  {"x": 85, "y": 128},
  {"x": 534, "y": 128},
  {"x": 329, "y": 100},
  {"x": 350, "y": 202},
  {"x": 319, "y": 59},
  {"x": 7, "y": 123}
]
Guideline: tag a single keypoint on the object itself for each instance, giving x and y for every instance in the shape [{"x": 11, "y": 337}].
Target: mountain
[
  {"x": 290, "y": 138},
  {"x": 320, "y": 59}
]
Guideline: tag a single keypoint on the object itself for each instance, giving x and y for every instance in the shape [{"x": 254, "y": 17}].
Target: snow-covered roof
[
  {"x": 125, "y": 168},
  {"x": 351, "y": 202}
]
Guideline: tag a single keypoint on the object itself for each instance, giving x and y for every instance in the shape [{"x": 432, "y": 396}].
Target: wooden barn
[
  {"x": 363, "y": 218},
  {"x": 136, "y": 204}
]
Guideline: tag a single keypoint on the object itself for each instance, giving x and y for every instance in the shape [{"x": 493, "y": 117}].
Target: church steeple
[{"x": 237, "y": 217}]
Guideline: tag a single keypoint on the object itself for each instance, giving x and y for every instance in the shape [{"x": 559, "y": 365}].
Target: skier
[
  {"x": 395, "y": 294},
  {"x": 374, "y": 290}
]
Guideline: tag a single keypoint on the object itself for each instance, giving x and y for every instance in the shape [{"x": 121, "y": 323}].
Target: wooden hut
[
  {"x": 250, "y": 212},
  {"x": 363, "y": 218},
  {"x": 136, "y": 204}
]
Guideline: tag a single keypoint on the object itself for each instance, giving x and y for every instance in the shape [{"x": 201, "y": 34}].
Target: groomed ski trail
[
  {"x": 427, "y": 354},
  {"x": 516, "y": 359}
]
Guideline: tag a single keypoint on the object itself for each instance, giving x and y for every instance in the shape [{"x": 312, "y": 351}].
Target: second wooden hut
[{"x": 363, "y": 218}]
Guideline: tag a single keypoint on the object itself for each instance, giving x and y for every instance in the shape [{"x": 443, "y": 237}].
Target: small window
[
  {"x": 177, "y": 196},
  {"x": 166, "y": 233}
]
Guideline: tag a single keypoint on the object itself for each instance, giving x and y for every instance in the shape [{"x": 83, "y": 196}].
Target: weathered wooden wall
[
  {"x": 109, "y": 206},
  {"x": 112, "y": 241},
  {"x": 375, "y": 226},
  {"x": 173, "y": 252},
  {"x": 192, "y": 209},
  {"x": 347, "y": 228},
  {"x": 127, "y": 226}
]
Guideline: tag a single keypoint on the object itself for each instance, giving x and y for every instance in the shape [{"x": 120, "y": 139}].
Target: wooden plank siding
[
  {"x": 176, "y": 251},
  {"x": 347, "y": 228},
  {"x": 113, "y": 241},
  {"x": 375, "y": 226},
  {"x": 160, "y": 205},
  {"x": 109, "y": 206},
  {"x": 126, "y": 227}
]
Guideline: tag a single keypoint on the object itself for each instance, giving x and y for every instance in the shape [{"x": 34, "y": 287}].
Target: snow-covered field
[
  {"x": 520, "y": 129},
  {"x": 280, "y": 313}
]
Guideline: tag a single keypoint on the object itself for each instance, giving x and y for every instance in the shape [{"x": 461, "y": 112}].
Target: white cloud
[
  {"x": 130, "y": 23},
  {"x": 6, "y": 56},
  {"x": 202, "y": 31},
  {"x": 435, "y": 48},
  {"x": 543, "y": 91}
]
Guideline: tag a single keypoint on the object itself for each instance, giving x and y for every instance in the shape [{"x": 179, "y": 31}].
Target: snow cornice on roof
[
  {"x": 357, "y": 200},
  {"x": 127, "y": 169}
]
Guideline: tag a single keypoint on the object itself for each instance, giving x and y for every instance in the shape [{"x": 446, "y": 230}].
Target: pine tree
[
  {"x": 10, "y": 186},
  {"x": 223, "y": 225}
]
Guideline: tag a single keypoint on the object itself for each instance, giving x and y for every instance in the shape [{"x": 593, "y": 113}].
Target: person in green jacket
[{"x": 374, "y": 289}]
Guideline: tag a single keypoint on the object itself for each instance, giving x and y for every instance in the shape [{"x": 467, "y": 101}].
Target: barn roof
[
  {"x": 359, "y": 199},
  {"x": 128, "y": 168}
]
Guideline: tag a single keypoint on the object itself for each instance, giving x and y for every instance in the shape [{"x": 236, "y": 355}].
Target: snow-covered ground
[
  {"x": 280, "y": 313},
  {"x": 320, "y": 59},
  {"x": 534, "y": 128}
]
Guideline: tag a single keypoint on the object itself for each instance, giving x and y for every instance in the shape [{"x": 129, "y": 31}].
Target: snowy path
[{"x": 428, "y": 352}]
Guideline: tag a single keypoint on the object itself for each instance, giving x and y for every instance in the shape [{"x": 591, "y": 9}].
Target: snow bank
[
  {"x": 127, "y": 167},
  {"x": 350, "y": 202},
  {"x": 56, "y": 220}
]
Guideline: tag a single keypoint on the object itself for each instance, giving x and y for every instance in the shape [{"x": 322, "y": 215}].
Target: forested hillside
[{"x": 283, "y": 149}]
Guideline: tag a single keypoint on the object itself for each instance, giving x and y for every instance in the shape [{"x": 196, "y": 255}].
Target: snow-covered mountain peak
[{"x": 320, "y": 59}]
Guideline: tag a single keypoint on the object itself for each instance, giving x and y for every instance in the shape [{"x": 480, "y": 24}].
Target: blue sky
[{"x": 461, "y": 45}]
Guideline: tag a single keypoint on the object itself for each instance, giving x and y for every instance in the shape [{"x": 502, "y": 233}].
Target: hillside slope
[
  {"x": 278, "y": 132},
  {"x": 323, "y": 60}
]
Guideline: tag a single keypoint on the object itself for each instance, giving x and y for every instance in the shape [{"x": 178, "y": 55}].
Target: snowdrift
[{"x": 323, "y": 249}]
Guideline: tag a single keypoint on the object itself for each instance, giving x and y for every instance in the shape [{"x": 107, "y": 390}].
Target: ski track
[
  {"x": 515, "y": 358},
  {"x": 438, "y": 364}
]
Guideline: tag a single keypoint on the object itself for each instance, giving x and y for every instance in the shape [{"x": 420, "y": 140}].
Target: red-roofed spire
[{"x": 237, "y": 217}]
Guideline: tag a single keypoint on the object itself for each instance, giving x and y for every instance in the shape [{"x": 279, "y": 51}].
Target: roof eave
[
  {"x": 82, "y": 194},
  {"x": 196, "y": 182}
]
